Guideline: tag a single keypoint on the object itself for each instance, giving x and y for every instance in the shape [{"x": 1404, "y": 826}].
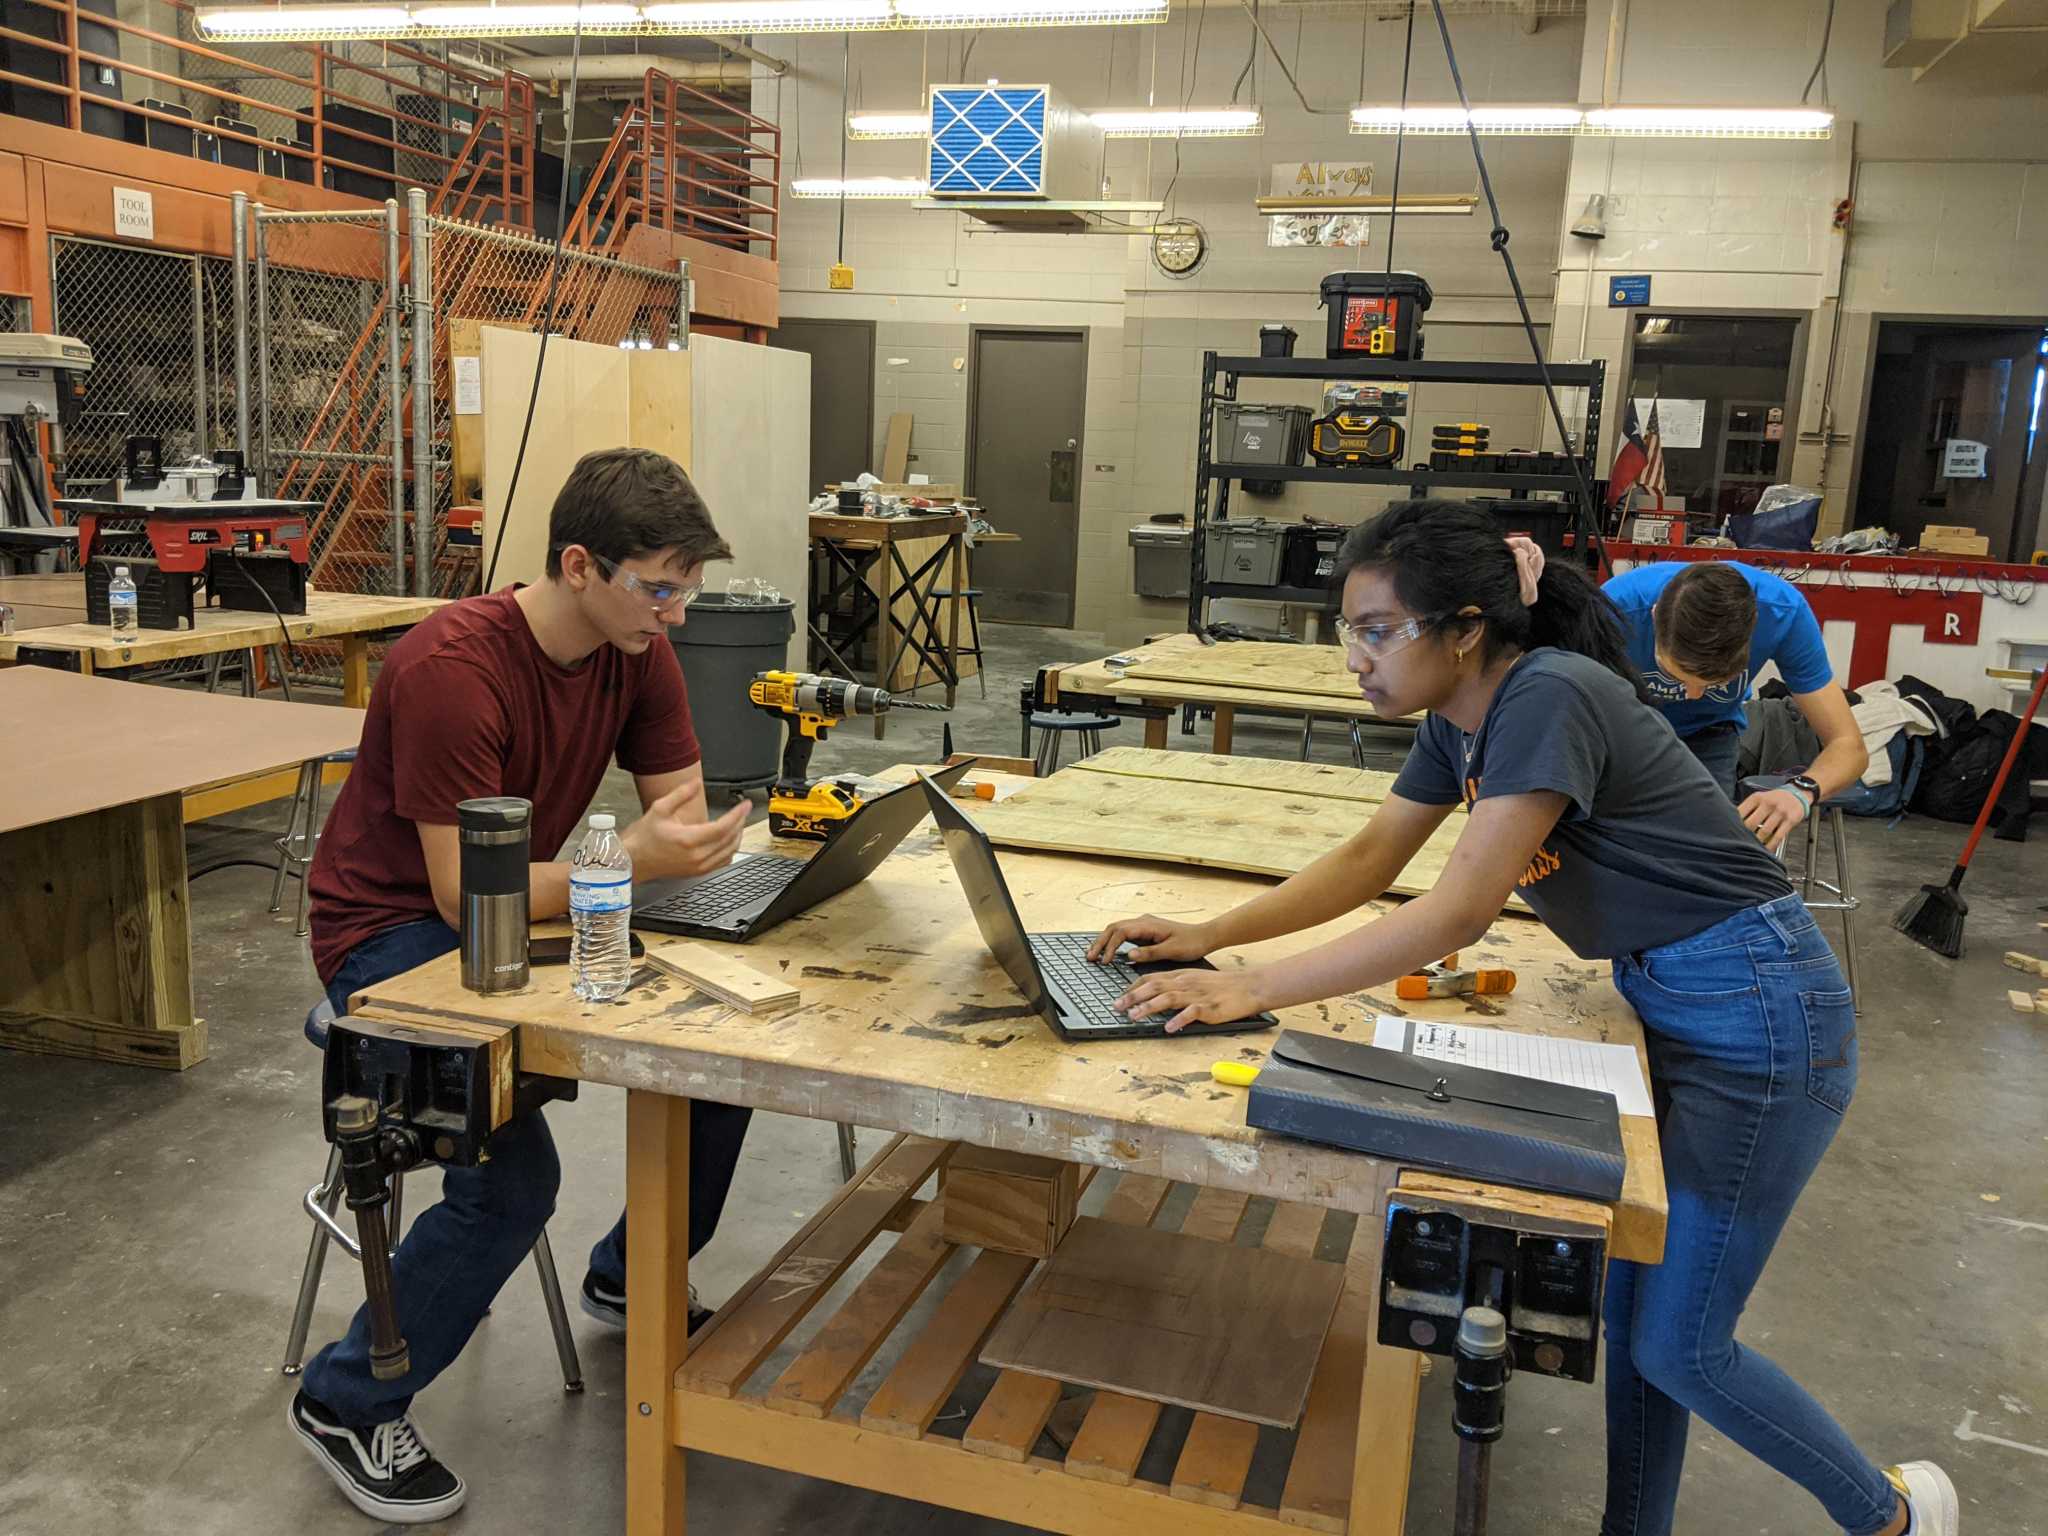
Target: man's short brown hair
[
  {"x": 622, "y": 502},
  {"x": 1705, "y": 619}
]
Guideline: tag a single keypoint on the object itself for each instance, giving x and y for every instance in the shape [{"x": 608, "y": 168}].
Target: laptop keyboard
[
  {"x": 738, "y": 885},
  {"x": 1064, "y": 959}
]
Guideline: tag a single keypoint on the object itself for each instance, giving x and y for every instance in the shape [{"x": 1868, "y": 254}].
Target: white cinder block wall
[
  {"x": 927, "y": 278},
  {"x": 1949, "y": 219}
]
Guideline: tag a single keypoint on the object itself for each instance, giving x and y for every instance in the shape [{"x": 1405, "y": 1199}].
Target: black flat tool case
[{"x": 1438, "y": 1114}]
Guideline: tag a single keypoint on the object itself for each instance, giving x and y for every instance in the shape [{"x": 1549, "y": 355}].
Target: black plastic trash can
[{"x": 722, "y": 645}]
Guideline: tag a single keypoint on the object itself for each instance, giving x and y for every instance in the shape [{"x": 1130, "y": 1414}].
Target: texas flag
[{"x": 1640, "y": 463}]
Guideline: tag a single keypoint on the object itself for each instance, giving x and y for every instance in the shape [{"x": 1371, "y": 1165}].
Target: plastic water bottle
[
  {"x": 123, "y": 607},
  {"x": 601, "y": 913}
]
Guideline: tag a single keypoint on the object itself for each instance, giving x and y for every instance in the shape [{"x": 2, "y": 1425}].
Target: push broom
[{"x": 1935, "y": 916}]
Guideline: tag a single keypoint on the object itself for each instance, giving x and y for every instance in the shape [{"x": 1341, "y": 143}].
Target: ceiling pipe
[{"x": 599, "y": 68}]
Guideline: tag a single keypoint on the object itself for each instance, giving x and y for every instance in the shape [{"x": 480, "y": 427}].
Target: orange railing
[
  {"x": 320, "y": 125},
  {"x": 684, "y": 160}
]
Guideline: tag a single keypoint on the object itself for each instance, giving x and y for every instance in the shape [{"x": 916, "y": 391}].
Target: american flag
[{"x": 1640, "y": 463}]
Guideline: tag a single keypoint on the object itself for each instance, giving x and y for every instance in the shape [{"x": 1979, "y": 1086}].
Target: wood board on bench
[
  {"x": 1267, "y": 665},
  {"x": 1173, "y": 1318},
  {"x": 1250, "y": 814}
]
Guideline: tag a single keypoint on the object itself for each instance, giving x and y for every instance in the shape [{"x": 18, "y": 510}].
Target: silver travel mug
[{"x": 496, "y": 836}]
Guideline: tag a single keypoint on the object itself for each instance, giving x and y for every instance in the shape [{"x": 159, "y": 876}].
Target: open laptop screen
[{"x": 974, "y": 860}]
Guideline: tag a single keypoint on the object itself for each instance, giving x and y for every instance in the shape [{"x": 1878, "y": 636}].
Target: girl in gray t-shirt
[{"x": 1582, "y": 800}]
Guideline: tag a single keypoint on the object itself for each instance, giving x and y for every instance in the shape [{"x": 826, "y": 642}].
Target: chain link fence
[{"x": 328, "y": 319}]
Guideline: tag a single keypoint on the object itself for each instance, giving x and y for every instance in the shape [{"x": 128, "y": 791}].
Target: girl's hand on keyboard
[
  {"x": 1193, "y": 997},
  {"x": 1156, "y": 938}
]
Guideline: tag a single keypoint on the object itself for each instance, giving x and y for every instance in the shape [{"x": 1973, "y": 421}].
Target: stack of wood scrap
[{"x": 2033, "y": 965}]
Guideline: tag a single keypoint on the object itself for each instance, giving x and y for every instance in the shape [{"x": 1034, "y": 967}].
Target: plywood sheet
[
  {"x": 1174, "y": 1319},
  {"x": 585, "y": 403},
  {"x": 661, "y": 385},
  {"x": 1268, "y": 666},
  {"x": 896, "y": 448},
  {"x": 75, "y": 744},
  {"x": 1221, "y": 820},
  {"x": 750, "y": 425}
]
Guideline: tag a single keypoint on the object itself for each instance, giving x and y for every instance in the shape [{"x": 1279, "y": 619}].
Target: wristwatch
[{"x": 1806, "y": 786}]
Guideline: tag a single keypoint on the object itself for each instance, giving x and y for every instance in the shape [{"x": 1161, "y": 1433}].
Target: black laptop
[
  {"x": 1071, "y": 992},
  {"x": 754, "y": 893}
]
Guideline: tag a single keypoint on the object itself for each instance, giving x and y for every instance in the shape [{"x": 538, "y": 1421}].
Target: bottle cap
[
  {"x": 120, "y": 570},
  {"x": 603, "y": 823}
]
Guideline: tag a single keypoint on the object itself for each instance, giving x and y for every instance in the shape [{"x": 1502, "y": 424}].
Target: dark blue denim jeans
[
  {"x": 458, "y": 1252},
  {"x": 1752, "y": 1042}
]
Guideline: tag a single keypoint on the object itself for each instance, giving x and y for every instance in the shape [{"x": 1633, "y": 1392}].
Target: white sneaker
[{"x": 1931, "y": 1502}]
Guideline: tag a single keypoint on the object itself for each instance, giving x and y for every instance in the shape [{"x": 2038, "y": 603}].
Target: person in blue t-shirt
[{"x": 1698, "y": 633}]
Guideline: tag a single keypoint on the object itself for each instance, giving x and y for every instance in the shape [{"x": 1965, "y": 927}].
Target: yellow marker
[{"x": 1234, "y": 1074}]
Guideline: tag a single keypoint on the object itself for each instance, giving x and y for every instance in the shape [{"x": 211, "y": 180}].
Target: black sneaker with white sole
[
  {"x": 607, "y": 1303},
  {"x": 388, "y": 1472}
]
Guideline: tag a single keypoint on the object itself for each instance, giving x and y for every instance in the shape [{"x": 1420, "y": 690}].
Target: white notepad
[{"x": 1590, "y": 1064}]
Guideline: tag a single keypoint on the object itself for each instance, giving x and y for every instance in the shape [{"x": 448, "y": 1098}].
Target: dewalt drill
[{"x": 813, "y": 705}]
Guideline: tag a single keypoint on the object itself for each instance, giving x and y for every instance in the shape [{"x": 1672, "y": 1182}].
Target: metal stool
[
  {"x": 973, "y": 648},
  {"x": 1051, "y": 727},
  {"x": 302, "y": 831},
  {"x": 1308, "y": 738},
  {"x": 248, "y": 670},
  {"x": 320, "y": 1202},
  {"x": 1836, "y": 895}
]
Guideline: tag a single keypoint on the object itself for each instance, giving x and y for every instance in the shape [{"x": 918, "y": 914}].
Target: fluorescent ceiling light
[
  {"x": 728, "y": 16},
  {"x": 1512, "y": 119},
  {"x": 1176, "y": 122},
  {"x": 1711, "y": 122},
  {"x": 488, "y": 19},
  {"x": 888, "y": 125},
  {"x": 860, "y": 186},
  {"x": 1028, "y": 13},
  {"x": 306, "y": 21}
]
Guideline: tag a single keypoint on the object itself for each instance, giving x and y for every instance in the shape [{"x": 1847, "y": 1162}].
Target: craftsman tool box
[
  {"x": 1546, "y": 522},
  {"x": 1440, "y": 1114},
  {"x": 1310, "y": 557},
  {"x": 1245, "y": 550},
  {"x": 1375, "y": 314}
]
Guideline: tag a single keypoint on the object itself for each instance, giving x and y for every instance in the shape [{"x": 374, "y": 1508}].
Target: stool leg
[
  {"x": 249, "y": 672},
  {"x": 1048, "y": 753},
  {"x": 847, "y": 1153},
  {"x": 1308, "y": 735},
  {"x": 396, "y": 1216},
  {"x": 213, "y": 670},
  {"x": 974, "y": 635},
  {"x": 558, "y": 1316},
  {"x": 1836, "y": 827},
  {"x": 284, "y": 678},
  {"x": 308, "y": 848},
  {"x": 1091, "y": 743},
  {"x": 1357, "y": 745},
  {"x": 309, "y": 1277},
  {"x": 1812, "y": 858},
  {"x": 287, "y": 845}
]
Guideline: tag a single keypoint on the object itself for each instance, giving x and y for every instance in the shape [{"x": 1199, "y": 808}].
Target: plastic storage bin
[
  {"x": 1245, "y": 551},
  {"x": 1159, "y": 559}
]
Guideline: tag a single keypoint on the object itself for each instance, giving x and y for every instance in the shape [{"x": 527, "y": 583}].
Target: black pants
[{"x": 1718, "y": 746}]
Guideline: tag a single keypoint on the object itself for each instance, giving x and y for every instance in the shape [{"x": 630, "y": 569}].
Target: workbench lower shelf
[{"x": 819, "y": 1412}]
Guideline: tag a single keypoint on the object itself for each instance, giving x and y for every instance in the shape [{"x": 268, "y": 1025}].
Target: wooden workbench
[
  {"x": 866, "y": 561},
  {"x": 95, "y": 952},
  {"x": 907, "y": 1024},
  {"x": 348, "y": 617},
  {"x": 1307, "y": 681}
]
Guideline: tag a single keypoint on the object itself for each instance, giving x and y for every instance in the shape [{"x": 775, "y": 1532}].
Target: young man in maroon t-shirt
[{"x": 528, "y": 692}]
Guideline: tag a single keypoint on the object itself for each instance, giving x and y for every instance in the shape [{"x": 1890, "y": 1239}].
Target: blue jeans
[
  {"x": 459, "y": 1252},
  {"x": 1718, "y": 747},
  {"x": 1752, "y": 1043}
]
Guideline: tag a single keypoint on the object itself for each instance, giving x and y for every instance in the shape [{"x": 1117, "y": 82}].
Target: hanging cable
[
  {"x": 1293, "y": 84},
  {"x": 845, "y": 74},
  {"x": 422, "y": 496},
  {"x": 1499, "y": 241},
  {"x": 1400, "y": 138},
  {"x": 1827, "y": 29}
]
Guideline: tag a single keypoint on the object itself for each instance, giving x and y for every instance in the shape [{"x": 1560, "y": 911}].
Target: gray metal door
[
  {"x": 1030, "y": 392},
  {"x": 842, "y": 354}
]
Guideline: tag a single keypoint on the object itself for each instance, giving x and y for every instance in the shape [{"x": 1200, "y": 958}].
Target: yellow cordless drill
[{"x": 813, "y": 705}]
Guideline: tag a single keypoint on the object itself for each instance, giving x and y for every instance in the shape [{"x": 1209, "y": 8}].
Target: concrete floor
[{"x": 150, "y": 1243}]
